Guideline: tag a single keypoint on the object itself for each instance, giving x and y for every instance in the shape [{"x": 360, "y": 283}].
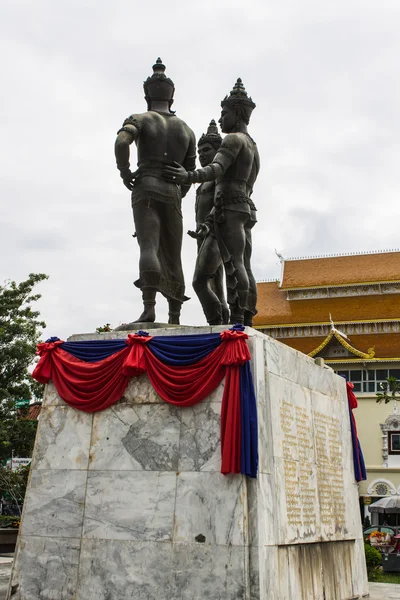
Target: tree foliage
[
  {"x": 391, "y": 390},
  {"x": 373, "y": 559},
  {"x": 20, "y": 330},
  {"x": 13, "y": 486},
  {"x": 367, "y": 522}
]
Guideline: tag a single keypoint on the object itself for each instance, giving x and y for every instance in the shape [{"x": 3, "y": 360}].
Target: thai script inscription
[
  {"x": 297, "y": 444},
  {"x": 312, "y": 452},
  {"x": 329, "y": 469}
]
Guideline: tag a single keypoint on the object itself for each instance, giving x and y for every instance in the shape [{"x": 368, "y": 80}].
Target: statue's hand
[
  {"x": 201, "y": 232},
  {"x": 176, "y": 174},
  {"x": 128, "y": 178}
]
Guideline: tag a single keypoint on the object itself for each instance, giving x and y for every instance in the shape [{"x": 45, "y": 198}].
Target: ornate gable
[{"x": 337, "y": 345}]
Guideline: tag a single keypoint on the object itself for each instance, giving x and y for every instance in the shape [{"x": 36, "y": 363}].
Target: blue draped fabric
[
  {"x": 180, "y": 351},
  {"x": 173, "y": 350},
  {"x": 93, "y": 350},
  {"x": 248, "y": 405},
  {"x": 360, "y": 471}
]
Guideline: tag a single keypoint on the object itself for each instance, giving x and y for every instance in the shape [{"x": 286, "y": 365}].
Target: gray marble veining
[
  {"x": 130, "y": 505},
  {"x": 63, "y": 438},
  {"x": 54, "y": 503},
  {"x": 51, "y": 397},
  {"x": 136, "y": 437},
  {"x": 46, "y": 568},
  {"x": 217, "y": 518},
  {"x": 203, "y": 572},
  {"x": 115, "y": 570},
  {"x": 200, "y": 447}
]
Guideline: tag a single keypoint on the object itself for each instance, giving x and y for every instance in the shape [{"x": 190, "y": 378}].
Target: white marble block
[{"x": 129, "y": 503}]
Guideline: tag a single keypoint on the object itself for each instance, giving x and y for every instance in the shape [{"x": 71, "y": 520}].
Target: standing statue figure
[
  {"x": 208, "y": 279},
  {"x": 161, "y": 139},
  {"x": 234, "y": 168}
]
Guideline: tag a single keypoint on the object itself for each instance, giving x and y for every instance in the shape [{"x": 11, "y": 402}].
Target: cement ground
[{"x": 384, "y": 591}]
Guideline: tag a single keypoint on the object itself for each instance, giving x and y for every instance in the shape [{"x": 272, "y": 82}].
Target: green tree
[
  {"x": 390, "y": 390},
  {"x": 20, "y": 330},
  {"x": 13, "y": 486},
  {"x": 373, "y": 559}
]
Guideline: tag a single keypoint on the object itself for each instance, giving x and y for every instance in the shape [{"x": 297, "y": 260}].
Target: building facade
[{"x": 346, "y": 310}]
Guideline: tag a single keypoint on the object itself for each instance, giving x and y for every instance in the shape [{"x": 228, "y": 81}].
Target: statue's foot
[
  {"x": 225, "y": 315},
  {"x": 147, "y": 316},
  {"x": 248, "y": 318},
  {"x": 173, "y": 319},
  {"x": 215, "y": 322}
]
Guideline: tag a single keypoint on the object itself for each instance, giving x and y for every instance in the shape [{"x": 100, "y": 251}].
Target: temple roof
[
  {"x": 379, "y": 346},
  {"x": 343, "y": 341},
  {"x": 274, "y": 308},
  {"x": 33, "y": 412},
  {"x": 355, "y": 269}
]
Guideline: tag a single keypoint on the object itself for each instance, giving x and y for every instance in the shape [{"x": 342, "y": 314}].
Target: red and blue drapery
[
  {"x": 360, "y": 472},
  {"x": 92, "y": 375}
]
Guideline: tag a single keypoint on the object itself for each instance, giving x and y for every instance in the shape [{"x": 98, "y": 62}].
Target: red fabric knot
[
  {"x": 236, "y": 350},
  {"x": 41, "y": 349},
  {"x": 135, "y": 362},
  {"x": 42, "y": 371}
]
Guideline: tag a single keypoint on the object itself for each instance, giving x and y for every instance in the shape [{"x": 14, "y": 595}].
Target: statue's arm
[
  {"x": 128, "y": 133},
  {"x": 225, "y": 157},
  {"x": 189, "y": 162}
]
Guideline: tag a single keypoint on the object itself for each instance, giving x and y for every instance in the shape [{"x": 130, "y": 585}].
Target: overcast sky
[{"x": 324, "y": 76}]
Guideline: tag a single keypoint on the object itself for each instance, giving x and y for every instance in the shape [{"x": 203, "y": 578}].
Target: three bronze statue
[{"x": 225, "y": 212}]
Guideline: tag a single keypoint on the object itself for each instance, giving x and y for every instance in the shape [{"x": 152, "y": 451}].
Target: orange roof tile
[
  {"x": 33, "y": 412},
  {"x": 274, "y": 309},
  {"x": 341, "y": 270},
  {"x": 387, "y": 345}
]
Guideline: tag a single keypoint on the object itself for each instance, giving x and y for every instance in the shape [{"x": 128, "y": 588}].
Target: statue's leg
[
  {"x": 149, "y": 303},
  {"x": 233, "y": 237},
  {"x": 174, "y": 311},
  {"x": 252, "y": 295},
  {"x": 217, "y": 285},
  {"x": 147, "y": 223},
  {"x": 207, "y": 263}
]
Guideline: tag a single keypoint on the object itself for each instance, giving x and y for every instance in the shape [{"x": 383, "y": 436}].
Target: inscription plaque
[{"x": 313, "y": 478}]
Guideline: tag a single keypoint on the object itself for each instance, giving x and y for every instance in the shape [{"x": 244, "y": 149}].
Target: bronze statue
[
  {"x": 161, "y": 139},
  {"x": 234, "y": 168},
  {"x": 208, "y": 279}
]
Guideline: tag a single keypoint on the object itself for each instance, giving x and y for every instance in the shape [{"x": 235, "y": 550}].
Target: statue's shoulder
[
  {"x": 232, "y": 140},
  {"x": 136, "y": 120},
  {"x": 181, "y": 124},
  {"x": 231, "y": 145}
]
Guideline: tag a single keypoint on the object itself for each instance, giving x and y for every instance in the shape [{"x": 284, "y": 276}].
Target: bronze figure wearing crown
[
  {"x": 234, "y": 168},
  {"x": 208, "y": 278},
  {"x": 161, "y": 139}
]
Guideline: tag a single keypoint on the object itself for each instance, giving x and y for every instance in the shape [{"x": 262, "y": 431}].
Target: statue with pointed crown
[
  {"x": 208, "y": 279},
  {"x": 161, "y": 139},
  {"x": 234, "y": 169}
]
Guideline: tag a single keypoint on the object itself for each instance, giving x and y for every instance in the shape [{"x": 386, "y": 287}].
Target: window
[
  {"x": 394, "y": 442},
  {"x": 369, "y": 381}
]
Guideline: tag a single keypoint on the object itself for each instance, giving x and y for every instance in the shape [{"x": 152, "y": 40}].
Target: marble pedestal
[{"x": 129, "y": 503}]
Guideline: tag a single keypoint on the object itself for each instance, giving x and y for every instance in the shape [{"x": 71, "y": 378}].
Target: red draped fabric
[
  {"x": 96, "y": 386},
  {"x": 231, "y": 432}
]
